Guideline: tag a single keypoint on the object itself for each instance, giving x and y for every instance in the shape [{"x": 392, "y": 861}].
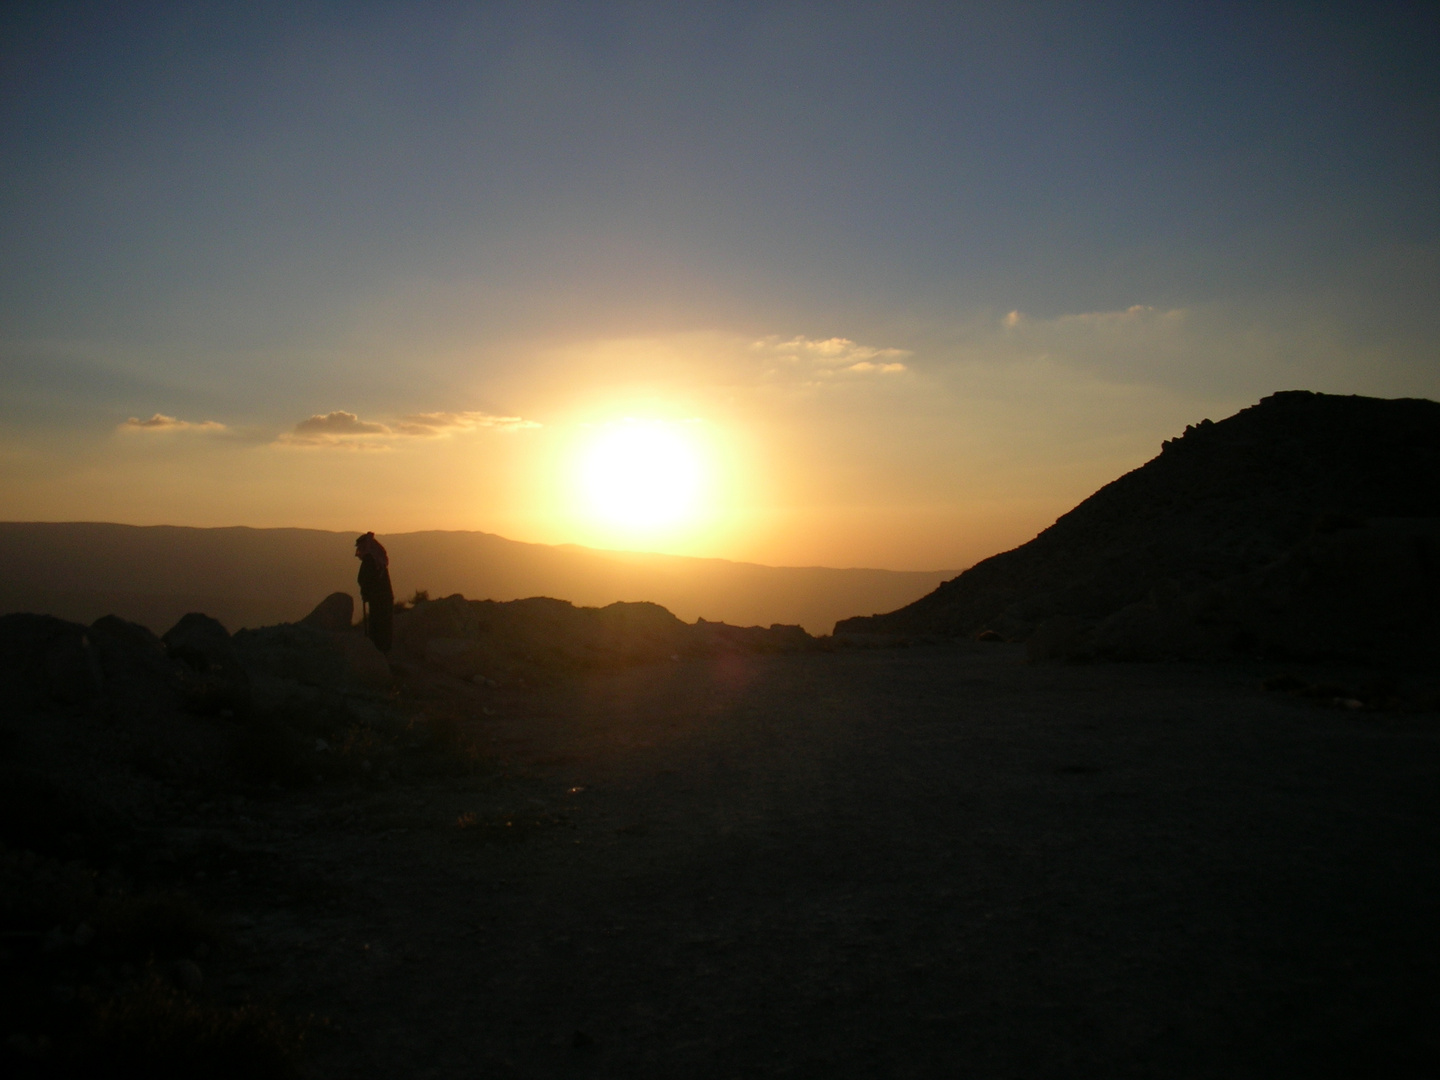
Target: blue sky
[{"x": 244, "y": 216}]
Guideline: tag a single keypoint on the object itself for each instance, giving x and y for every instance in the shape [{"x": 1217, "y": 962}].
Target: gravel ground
[{"x": 891, "y": 863}]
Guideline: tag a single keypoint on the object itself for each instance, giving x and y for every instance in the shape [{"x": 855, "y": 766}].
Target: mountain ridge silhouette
[
  {"x": 1221, "y": 501},
  {"x": 246, "y": 577}
]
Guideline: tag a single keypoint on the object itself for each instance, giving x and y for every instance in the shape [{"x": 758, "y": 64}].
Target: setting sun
[{"x": 641, "y": 475}]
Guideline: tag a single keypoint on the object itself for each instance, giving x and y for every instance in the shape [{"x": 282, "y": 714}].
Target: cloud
[
  {"x": 866, "y": 365},
  {"x": 337, "y": 423},
  {"x": 435, "y": 424},
  {"x": 346, "y": 431},
  {"x": 832, "y": 355},
  {"x": 161, "y": 422}
]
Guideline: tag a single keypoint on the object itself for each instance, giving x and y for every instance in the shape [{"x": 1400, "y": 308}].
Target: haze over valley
[{"x": 255, "y": 577}]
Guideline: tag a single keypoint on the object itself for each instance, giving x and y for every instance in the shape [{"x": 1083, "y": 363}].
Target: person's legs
[{"x": 381, "y": 615}]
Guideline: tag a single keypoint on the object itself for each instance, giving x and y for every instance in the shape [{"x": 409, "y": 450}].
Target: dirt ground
[{"x": 937, "y": 861}]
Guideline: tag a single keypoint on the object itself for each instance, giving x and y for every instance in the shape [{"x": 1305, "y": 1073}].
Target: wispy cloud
[
  {"x": 1138, "y": 342},
  {"x": 161, "y": 422},
  {"x": 435, "y": 424},
  {"x": 347, "y": 431},
  {"x": 337, "y": 423},
  {"x": 830, "y": 356}
]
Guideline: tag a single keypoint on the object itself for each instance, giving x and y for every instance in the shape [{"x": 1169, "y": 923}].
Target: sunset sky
[{"x": 883, "y": 285}]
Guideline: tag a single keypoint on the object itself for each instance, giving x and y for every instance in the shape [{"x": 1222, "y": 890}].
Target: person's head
[{"x": 367, "y": 547}]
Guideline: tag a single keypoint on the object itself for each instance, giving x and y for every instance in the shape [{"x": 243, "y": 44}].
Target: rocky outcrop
[
  {"x": 45, "y": 659},
  {"x": 123, "y": 666},
  {"x": 336, "y": 613},
  {"x": 519, "y": 638},
  {"x": 304, "y": 654},
  {"x": 1301, "y": 525},
  {"x": 1363, "y": 592},
  {"x": 215, "y": 680}
]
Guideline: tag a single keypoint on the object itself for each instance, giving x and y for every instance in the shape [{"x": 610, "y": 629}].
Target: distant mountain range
[
  {"x": 255, "y": 577},
  {"x": 1308, "y": 521}
]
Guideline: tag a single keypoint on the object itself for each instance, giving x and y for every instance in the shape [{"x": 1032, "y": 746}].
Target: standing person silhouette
[{"x": 375, "y": 589}]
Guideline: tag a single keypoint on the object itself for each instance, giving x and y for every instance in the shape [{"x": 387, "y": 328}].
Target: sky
[{"x": 888, "y": 285}]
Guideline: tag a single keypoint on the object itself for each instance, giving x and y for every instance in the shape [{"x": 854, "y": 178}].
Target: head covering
[{"x": 372, "y": 549}]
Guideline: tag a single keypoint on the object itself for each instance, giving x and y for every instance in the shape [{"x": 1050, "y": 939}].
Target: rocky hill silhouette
[{"x": 1308, "y": 525}]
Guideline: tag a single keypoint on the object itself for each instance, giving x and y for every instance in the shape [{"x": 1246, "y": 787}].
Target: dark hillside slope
[{"x": 1222, "y": 501}]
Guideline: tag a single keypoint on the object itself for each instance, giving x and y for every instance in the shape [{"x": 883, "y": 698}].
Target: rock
[
  {"x": 475, "y": 639},
  {"x": 306, "y": 655},
  {"x": 200, "y": 641},
  {"x": 365, "y": 665},
  {"x": 335, "y": 613},
  {"x": 1062, "y": 637},
  {"x": 787, "y": 638},
  {"x": 47, "y": 658},
  {"x": 712, "y": 637},
  {"x": 450, "y": 617},
  {"x": 140, "y": 679},
  {"x": 216, "y": 680}
]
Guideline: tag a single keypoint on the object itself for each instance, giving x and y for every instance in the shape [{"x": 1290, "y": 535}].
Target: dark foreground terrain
[{"x": 934, "y": 861}]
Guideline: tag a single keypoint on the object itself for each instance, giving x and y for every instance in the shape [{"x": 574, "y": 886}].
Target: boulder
[
  {"x": 450, "y": 617},
  {"x": 365, "y": 665},
  {"x": 335, "y": 613},
  {"x": 715, "y": 637},
  {"x": 140, "y": 679},
  {"x": 215, "y": 680},
  {"x": 46, "y": 658},
  {"x": 315, "y": 657}
]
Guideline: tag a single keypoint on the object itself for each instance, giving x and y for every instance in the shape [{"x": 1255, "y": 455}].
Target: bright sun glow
[{"x": 642, "y": 476}]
